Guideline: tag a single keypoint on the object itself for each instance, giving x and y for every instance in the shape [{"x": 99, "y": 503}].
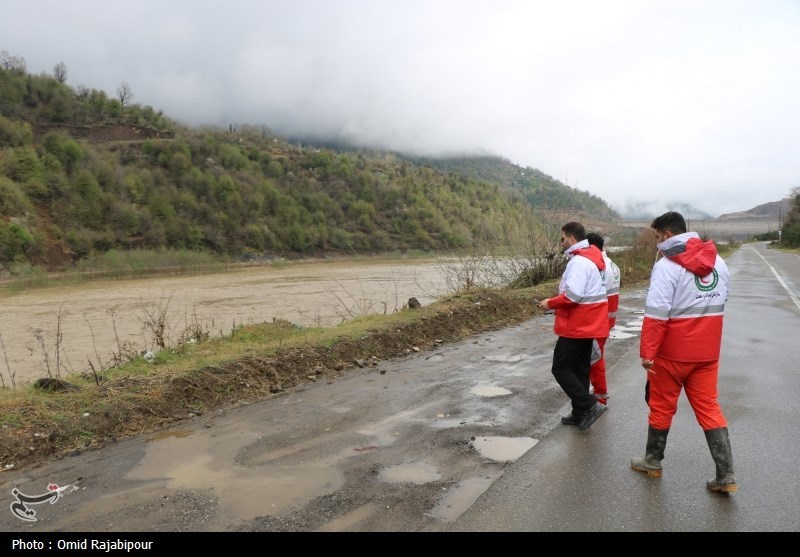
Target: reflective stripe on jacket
[{"x": 685, "y": 302}]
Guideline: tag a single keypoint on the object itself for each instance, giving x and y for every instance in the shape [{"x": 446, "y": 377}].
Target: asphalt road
[
  {"x": 576, "y": 481},
  {"x": 463, "y": 438}
]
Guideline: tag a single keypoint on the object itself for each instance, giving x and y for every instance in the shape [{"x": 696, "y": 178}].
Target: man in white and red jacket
[
  {"x": 680, "y": 344},
  {"x": 581, "y": 309}
]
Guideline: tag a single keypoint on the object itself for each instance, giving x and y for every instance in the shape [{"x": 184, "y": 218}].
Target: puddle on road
[
  {"x": 202, "y": 460},
  {"x": 445, "y": 422},
  {"x": 410, "y": 472},
  {"x": 503, "y": 449},
  {"x": 385, "y": 432},
  {"x": 459, "y": 498},
  {"x": 489, "y": 390}
]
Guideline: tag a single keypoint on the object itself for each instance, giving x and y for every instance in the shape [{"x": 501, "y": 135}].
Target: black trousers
[{"x": 571, "y": 363}]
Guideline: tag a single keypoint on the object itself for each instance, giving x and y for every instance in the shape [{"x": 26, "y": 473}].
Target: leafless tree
[
  {"x": 12, "y": 63},
  {"x": 60, "y": 72},
  {"x": 124, "y": 93}
]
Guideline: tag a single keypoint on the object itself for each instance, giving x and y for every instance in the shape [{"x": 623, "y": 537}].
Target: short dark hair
[
  {"x": 595, "y": 239},
  {"x": 574, "y": 229},
  {"x": 671, "y": 221}
]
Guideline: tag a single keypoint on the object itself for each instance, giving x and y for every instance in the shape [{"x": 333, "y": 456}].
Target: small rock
[
  {"x": 50, "y": 384},
  {"x": 413, "y": 303}
]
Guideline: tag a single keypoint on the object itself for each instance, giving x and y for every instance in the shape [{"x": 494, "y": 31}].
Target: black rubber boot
[
  {"x": 654, "y": 453},
  {"x": 720, "y": 446}
]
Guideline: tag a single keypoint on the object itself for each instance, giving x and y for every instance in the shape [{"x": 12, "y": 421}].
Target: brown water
[{"x": 98, "y": 317}]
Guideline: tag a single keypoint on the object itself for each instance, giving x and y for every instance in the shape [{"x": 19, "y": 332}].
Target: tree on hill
[
  {"x": 124, "y": 93},
  {"x": 60, "y": 72},
  {"x": 12, "y": 63}
]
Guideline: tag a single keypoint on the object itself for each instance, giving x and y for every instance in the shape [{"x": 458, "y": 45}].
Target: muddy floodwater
[{"x": 96, "y": 318}]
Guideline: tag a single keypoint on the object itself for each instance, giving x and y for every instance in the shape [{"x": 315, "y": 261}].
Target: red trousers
[
  {"x": 665, "y": 381},
  {"x": 597, "y": 371}
]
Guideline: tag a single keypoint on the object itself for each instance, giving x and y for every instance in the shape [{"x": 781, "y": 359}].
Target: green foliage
[
  {"x": 767, "y": 236},
  {"x": 15, "y": 241},
  {"x": 790, "y": 232},
  {"x": 14, "y": 134},
  {"x": 13, "y": 199},
  {"x": 228, "y": 193}
]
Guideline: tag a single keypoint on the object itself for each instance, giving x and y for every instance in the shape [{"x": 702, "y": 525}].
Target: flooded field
[{"x": 91, "y": 321}]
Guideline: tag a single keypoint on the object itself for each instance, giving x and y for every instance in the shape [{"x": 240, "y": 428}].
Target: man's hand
[
  {"x": 543, "y": 304},
  {"x": 647, "y": 364}
]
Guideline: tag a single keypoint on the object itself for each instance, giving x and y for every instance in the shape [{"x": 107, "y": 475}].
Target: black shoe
[
  {"x": 591, "y": 415},
  {"x": 570, "y": 420}
]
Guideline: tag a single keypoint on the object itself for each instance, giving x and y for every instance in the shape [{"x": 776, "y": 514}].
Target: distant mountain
[
  {"x": 650, "y": 210},
  {"x": 771, "y": 210}
]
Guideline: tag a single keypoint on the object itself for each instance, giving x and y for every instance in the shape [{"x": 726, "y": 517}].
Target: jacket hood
[
  {"x": 590, "y": 252},
  {"x": 690, "y": 252}
]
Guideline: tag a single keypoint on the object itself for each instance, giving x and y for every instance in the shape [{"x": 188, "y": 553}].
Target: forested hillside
[
  {"x": 83, "y": 173},
  {"x": 536, "y": 187}
]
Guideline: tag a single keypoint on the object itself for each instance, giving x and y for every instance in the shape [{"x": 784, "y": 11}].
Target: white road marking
[{"x": 780, "y": 280}]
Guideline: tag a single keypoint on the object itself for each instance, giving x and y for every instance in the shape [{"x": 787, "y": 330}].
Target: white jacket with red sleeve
[
  {"x": 685, "y": 302},
  {"x": 581, "y": 305},
  {"x": 611, "y": 276}
]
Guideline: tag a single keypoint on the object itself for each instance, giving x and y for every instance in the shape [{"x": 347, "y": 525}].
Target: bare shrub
[
  {"x": 11, "y": 374},
  {"x": 636, "y": 262},
  {"x": 512, "y": 253},
  {"x": 193, "y": 329},
  {"x": 154, "y": 321},
  {"x": 350, "y": 305},
  {"x": 126, "y": 351},
  {"x": 55, "y": 352}
]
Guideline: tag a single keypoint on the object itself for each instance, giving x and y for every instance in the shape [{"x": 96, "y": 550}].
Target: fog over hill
[{"x": 649, "y": 210}]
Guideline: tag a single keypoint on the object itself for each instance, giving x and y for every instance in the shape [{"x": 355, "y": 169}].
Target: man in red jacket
[
  {"x": 581, "y": 309},
  {"x": 611, "y": 278},
  {"x": 680, "y": 344}
]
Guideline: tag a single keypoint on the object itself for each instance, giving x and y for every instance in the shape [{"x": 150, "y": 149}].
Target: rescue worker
[
  {"x": 680, "y": 344},
  {"x": 581, "y": 309},
  {"x": 611, "y": 278}
]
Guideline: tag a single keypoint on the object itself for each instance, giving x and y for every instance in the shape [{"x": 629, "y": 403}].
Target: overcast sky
[{"x": 634, "y": 101}]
